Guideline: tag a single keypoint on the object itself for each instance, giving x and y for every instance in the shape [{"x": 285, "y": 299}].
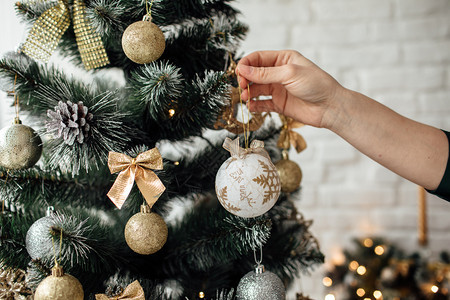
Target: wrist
[{"x": 336, "y": 116}]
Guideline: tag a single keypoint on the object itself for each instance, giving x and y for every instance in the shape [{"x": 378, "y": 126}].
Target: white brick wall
[{"x": 396, "y": 51}]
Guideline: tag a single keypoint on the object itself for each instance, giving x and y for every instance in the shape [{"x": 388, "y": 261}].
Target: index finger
[{"x": 268, "y": 58}]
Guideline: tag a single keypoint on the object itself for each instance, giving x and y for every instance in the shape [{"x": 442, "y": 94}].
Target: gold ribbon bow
[
  {"x": 235, "y": 150},
  {"x": 133, "y": 291},
  {"x": 288, "y": 136},
  {"x": 51, "y": 25},
  {"x": 137, "y": 169}
]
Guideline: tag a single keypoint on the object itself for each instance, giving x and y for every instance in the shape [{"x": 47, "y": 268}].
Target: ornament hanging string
[
  {"x": 16, "y": 98},
  {"x": 149, "y": 9},
  {"x": 245, "y": 125},
  {"x": 60, "y": 248},
  {"x": 258, "y": 261}
]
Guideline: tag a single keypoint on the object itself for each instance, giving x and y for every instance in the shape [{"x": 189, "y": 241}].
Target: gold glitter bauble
[
  {"x": 59, "y": 286},
  {"x": 146, "y": 232},
  {"x": 143, "y": 42},
  {"x": 290, "y": 175},
  {"x": 20, "y": 147}
]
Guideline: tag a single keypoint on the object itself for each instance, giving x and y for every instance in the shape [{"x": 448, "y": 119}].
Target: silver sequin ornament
[
  {"x": 38, "y": 241},
  {"x": 260, "y": 284},
  {"x": 20, "y": 146}
]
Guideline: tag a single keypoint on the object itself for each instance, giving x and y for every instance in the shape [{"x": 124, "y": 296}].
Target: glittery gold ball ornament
[
  {"x": 20, "y": 146},
  {"x": 143, "y": 41},
  {"x": 59, "y": 286},
  {"x": 290, "y": 175},
  {"x": 260, "y": 284},
  {"x": 146, "y": 232},
  {"x": 247, "y": 183}
]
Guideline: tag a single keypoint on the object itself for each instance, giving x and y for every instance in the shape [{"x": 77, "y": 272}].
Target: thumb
[{"x": 266, "y": 75}]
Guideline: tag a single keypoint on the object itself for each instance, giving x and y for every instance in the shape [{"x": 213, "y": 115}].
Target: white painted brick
[
  {"x": 426, "y": 52},
  {"x": 435, "y": 102},
  {"x": 409, "y": 29},
  {"x": 337, "y": 152},
  {"x": 396, "y": 219},
  {"x": 275, "y": 12},
  {"x": 356, "y": 196},
  {"x": 399, "y": 78},
  {"x": 328, "y": 34},
  {"x": 360, "y": 55},
  {"x": 350, "y": 10},
  {"x": 258, "y": 37},
  {"x": 408, "y": 8}
]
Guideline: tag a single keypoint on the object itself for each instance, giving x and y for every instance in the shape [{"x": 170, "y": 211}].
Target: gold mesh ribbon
[
  {"x": 133, "y": 291},
  {"x": 137, "y": 169},
  {"x": 288, "y": 136},
  {"x": 235, "y": 150},
  {"x": 51, "y": 25}
]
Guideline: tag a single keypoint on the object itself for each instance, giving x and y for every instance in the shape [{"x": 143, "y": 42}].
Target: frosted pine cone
[{"x": 69, "y": 121}]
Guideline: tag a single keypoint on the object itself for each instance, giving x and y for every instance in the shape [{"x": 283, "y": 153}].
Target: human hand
[{"x": 299, "y": 88}]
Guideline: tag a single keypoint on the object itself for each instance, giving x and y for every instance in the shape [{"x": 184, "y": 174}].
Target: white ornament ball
[{"x": 249, "y": 185}]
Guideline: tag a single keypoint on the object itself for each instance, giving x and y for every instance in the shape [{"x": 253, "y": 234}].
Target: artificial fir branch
[
  {"x": 155, "y": 87},
  {"x": 195, "y": 111},
  {"x": 206, "y": 237},
  {"x": 198, "y": 45}
]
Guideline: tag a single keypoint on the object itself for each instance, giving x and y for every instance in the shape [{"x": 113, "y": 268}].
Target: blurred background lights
[
  {"x": 361, "y": 270},
  {"x": 330, "y": 297},
  {"x": 327, "y": 281},
  {"x": 379, "y": 250},
  {"x": 368, "y": 242},
  {"x": 377, "y": 294},
  {"x": 360, "y": 292}
]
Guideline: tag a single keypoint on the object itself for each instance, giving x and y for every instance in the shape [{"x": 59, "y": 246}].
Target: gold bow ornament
[
  {"x": 137, "y": 169},
  {"x": 235, "y": 150},
  {"x": 289, "y": 137},
  {"x": 51, "y": 25},
  {"x": 133, "y": 291}
]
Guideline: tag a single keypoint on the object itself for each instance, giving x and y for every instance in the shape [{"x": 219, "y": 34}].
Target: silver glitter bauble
[
  {"x": 20, "y": 146},
  {"x": 260, "y": 284},
  {"x": 38, "y": 241}
]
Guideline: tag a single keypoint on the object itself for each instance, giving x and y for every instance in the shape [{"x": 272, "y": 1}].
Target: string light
[
  {"x": 327, "y": 281},
  {"x": 379, "y": 250},
  {"x": 201, "y": 295},
  {"x": 361, "y": 270},
  {"x": 360, "y": 292},
  {"x": 353, "y": 265},
  {"x": 434, "y": 288},
  {"x": 329, "y": 297},
  {"x": 368, "y": 243},
  {"x": 176, "y": 163},
  {"x": 377, "y": 294},
  {"x": 171, "y": 112}
]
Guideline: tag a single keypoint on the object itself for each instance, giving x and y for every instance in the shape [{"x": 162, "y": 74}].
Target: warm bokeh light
[
  {"x": 361, "y": 270},
  {"x": 368, "y": 243},
  {"x": 434, "y": 289},
  {"x": 176, "y": 163},
  {"x": 353, "y": 265},
  {"x": 201, "y": 295},
  {"x": 360, "y": 292},
  {"x": 377, "y": 294},
  {"x": 171, "y": 112},
  {"x": 327, "y": 281},
  {"x": 379, "y": 250},
  {"x": 329, "y": 297}
]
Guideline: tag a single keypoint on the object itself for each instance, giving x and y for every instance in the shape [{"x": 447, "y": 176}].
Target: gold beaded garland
[{"x": 146, "y": 232}]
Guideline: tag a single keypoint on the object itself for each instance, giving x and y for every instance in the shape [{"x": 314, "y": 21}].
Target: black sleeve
[{"x": 443, "y": 189}]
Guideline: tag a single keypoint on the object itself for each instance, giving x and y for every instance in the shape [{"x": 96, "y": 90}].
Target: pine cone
[{"x": 69, "y": 121}]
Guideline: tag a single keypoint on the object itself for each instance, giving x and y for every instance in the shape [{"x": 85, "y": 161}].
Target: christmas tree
[{"x": 157, "y": 101}]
